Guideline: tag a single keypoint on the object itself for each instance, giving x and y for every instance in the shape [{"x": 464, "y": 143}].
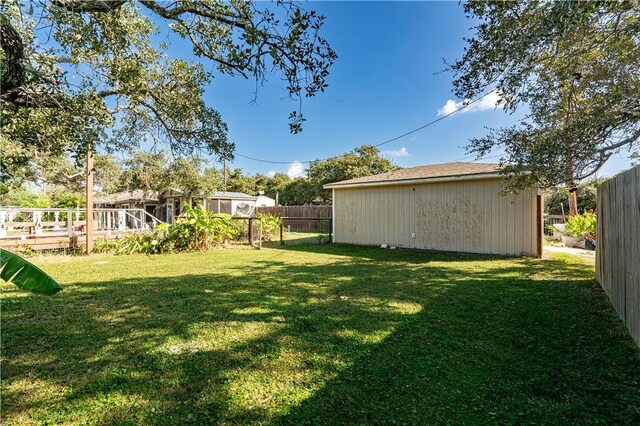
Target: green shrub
[
  {"x": 154, "y": 241},
  {"x": 196, "y": 229},
  {"x": 200, "y": 229},
  {"x": 581, "y": 224},
  {"x": 105, "y": 245}
]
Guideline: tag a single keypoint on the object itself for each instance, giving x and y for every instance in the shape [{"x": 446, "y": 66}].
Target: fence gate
[{"x": 255, "y": 232}]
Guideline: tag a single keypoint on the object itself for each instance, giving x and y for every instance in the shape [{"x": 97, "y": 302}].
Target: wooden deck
[{"x": 46, "y": 229}]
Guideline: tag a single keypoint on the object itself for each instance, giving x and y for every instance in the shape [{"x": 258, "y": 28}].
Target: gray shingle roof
[
  {"x": 424, "y": 172},
  {"x": 135, "y": 195}
]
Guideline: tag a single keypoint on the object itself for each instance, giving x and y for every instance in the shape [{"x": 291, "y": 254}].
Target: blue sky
[{"x": 387, "y": 80}]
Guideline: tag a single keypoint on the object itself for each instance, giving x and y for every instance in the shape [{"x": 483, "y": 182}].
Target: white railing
[{"x": 17, "y": 222}]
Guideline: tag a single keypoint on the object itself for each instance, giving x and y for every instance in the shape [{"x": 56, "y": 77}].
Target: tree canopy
[
  {"x": 363, "y": 161},
  {"x": 574, "y": 65},
  {"x": 78, "y": 74},
  {"x": 61, "y": 183}
]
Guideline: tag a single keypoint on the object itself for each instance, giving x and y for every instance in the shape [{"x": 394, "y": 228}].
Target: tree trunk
[{"x": 573, "y": 202}]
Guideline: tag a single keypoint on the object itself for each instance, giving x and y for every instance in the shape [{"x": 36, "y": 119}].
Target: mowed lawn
[{"x": 314, "y": 334}]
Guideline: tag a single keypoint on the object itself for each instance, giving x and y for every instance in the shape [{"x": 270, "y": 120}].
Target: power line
[{"x": 432, "y": 122}]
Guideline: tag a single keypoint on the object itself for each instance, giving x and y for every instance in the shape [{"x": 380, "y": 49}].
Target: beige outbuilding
[{"x": 449, "y": 207}]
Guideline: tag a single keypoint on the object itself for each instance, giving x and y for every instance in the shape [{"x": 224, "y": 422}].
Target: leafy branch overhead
[
  {"x": 575, "y": 65},
  {"x": 107, "y": 59}
]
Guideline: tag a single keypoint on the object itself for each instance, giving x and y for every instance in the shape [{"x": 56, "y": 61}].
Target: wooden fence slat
[
  {"x": 618, "y": 251},
  {"x": 323, "y": 211}
]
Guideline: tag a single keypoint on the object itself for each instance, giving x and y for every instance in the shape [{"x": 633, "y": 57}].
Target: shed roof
[
  {"x": 135, "y": 195},
  {"x": 446, "y": 171},
  {"x": 232, "y": 195}
]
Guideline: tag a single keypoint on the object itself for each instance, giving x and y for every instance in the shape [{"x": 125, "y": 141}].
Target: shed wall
[{"x": 464, "y": 216}]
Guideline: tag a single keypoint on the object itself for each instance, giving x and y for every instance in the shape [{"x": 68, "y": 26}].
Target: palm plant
[{"x": 25, "y": 275}]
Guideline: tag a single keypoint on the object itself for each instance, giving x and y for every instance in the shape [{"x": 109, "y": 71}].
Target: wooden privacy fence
[
  {"x": 618, "y": 249},
  {"x": 303, "y": 212}
]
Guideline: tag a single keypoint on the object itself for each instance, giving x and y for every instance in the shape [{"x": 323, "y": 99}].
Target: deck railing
[{"x": 21, "y": 223}]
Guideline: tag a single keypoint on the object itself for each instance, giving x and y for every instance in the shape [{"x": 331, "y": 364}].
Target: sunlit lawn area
[{"x": 314, "y": 334}]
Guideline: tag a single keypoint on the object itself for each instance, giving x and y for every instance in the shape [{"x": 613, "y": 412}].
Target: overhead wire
[{"x": 432, "y": 122}]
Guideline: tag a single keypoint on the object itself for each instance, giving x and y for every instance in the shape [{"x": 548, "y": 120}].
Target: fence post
[
  {"x": 250, "y": 232},
  {"x": 281, "y": 239},
  {"x": 121, "y": 221},
  {"x": 69, "y": 223},
  {"x": 37, "y": 222},
  {"x": 330, "y": 230}
]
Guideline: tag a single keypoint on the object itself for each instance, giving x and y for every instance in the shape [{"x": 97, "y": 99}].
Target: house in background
[
  {"x": 449, "y": 207},
  {"x": 170, "y": 203},
  {"x": 136, "y": 199}
]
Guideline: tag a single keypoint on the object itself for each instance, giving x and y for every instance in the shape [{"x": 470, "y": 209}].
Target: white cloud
[
  {"x": 296, "y": 169},
  {"x": 271, "y": 173},
  {"x": 402, "y": 152},
  {"x": 488, "y": 102}
]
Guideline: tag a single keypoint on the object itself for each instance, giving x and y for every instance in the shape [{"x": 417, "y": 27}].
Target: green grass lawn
[{"x": 312, "y": 334}]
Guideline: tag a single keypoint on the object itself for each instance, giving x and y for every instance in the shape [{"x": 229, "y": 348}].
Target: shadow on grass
[{"x": 369, "y": 336}]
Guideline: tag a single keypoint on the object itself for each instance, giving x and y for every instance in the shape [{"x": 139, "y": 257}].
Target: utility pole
[{"x": 89, "y": 198}]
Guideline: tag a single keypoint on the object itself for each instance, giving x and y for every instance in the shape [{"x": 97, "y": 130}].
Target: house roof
[
  {"x": 232, "y": 195},
  {"x": 446, "y": 171},
  {"x": 140, "y": 195},
  {"x": 120, "y": 197},
  {"x": 223, "y": 195}
]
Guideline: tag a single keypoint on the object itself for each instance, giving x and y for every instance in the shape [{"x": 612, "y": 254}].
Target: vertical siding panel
[
  {"x": 392, "y": 213},
  {"x": 378, "y": 232},
  {"x": 452, "y": 211},
  {"x": 449, "y": 215},
  {"x": 369, "y": 212},
  {"x": 422, "y": 237},
  {"x": 455, "y": 199},
  {"x": 375, "y": 211},
  {"x": 504, "y": 224},
  {"x": 518, "y": 224},
  {"x": 360, "y": 217},
  {"x": 495, "y": 217},
  {"x": 432, "y": 217},
  {"x": 408, "y": 208},
  {"x": 388, "y": 196},
  {"x": 406, "y": 240},
  {"x": 384, "y": 195},
  {"x": 463, "y": 243},
  {"x": 473, "y": 217},
  {"x": 527, "y": 226},
  {"x": 466, "y": 217},
  {"x": 478, "y": 206},
  {"x": 488, "y": 243},
  {"x": 403, "y": 216},
  {"x": 397, "y": 215},
  {"x": 412, "y": 217},
  {"x": 438, "y": 225},
  {"x": 510, "y": 224},
  {"x": 337, "y": 213},
  {"x": 530, "y": 220}
]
